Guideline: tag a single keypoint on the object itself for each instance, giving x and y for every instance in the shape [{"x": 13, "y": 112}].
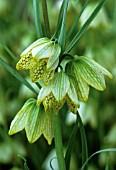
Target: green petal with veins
[
  {"x": 18, "y": 122},
  {"x": 36, "y": 43},
  {"x": 94, "y": 64},
  {"x": 48, "y": 130},
  {"x": 34, "y": 123},
  {"x": 72, "y": 93},
  {"x": 60, "y": 85},
  {"x": 82, "y": 88},
  {"x": 91, "y": 75},
  {"x": 42, "y": 51},
  {"x": 54, "y": 59}
]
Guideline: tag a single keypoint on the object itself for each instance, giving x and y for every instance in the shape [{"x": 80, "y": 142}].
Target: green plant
[{"x": 61, "y": 78}]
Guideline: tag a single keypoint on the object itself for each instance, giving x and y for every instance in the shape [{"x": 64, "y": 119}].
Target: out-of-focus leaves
[
  {"x": 17, "y": 75},
  {"x": 7, "y": 150},
  {"x": 101, "y": 19}
]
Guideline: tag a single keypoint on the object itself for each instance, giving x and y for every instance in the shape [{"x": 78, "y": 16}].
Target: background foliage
[{"x": 17, "y": 31}]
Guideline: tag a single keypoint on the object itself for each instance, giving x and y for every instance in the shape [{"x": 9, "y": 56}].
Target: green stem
[
  {"x": 58, "y": 142},
  {"x": 46, "y": 20}
]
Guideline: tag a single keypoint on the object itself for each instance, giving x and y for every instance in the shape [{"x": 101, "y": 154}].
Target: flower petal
[
  {"x": 82, "y": 88},
  {"x": 34, "y": 123},
  {"x": 36, "y": 43},
  {"x": 92, "y": 63},
  {"x": 54, "y": 59},
  {"x": 72, "y": 93},
  {"x": 18, "y": 122},
  {"x": 45, "y": 90},
  {"x": 43, "y": 51},
  {"x": 91, "y": 75},
  {"x": 48, "y": 130},
  {"x": 60, "y": 85}
]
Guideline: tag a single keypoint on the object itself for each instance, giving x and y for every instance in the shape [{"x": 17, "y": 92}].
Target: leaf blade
[
  {"x": 70, "y": 145},
  {"x": 59, "y": 21},
  {"x": 62, "y": 36},
  {"x": 100, "y": 151},
  {"x": 17, "y": 75},
  {"x": 83, "y": 139},
  {"x": 85, "y": 26},
  {"x": 37, "y": 21},
  {"x": 76, "y": 20}
]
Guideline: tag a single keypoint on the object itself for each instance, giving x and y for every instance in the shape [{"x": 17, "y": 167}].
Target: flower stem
[
  {"x": 58, "y": 142},
  {"x": 46, "y": 20}
]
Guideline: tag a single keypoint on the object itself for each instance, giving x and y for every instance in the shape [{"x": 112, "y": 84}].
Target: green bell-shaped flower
[
  {"x": 34, "y": 120},
  {"x": 41, "y": 58},
  {"x": 87, "y": 73},
  {"x": 61, "y": 89}
]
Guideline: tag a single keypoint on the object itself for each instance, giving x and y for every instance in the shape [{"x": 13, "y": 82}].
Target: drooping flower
[
  {"x": 34, "y": 120},
  {"x": 61, "y": 89},
  {"x": 41, "y": 58},
  {"x": 87, "y": 73}
]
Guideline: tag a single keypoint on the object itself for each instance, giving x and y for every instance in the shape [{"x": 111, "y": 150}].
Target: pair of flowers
[{"x": 67, "y": 81}]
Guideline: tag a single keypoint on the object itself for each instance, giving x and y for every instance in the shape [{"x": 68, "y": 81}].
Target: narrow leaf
[
  {"x": 25, "y": 162},
  {"x": 85, "y": 26},
  {"x": 17, "y": 75},
  {"x": 37, "y": 19},
  {"x": 62, "y": 36},
  {"x": 76, "y": 20},
  {"x": 46, "y": 19},
  {"x": 71, "y": 145},
  {"x": 9, "y": 52},
  {"x": 83, "y": 139},
  {"x": 59, "y": 22},
  {"x": 100, "y": 151}
]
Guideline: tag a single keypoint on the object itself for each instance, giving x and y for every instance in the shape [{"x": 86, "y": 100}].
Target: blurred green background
[{"x": 17, "y": 31}]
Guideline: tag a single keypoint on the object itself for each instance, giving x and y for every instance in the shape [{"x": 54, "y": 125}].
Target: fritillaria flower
[
  {"x": 41, "y": 58},
  {"x": 34, "y": 120},
  {"x": 61, "y": 89},
  {"x": 87, "y": 73}
]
